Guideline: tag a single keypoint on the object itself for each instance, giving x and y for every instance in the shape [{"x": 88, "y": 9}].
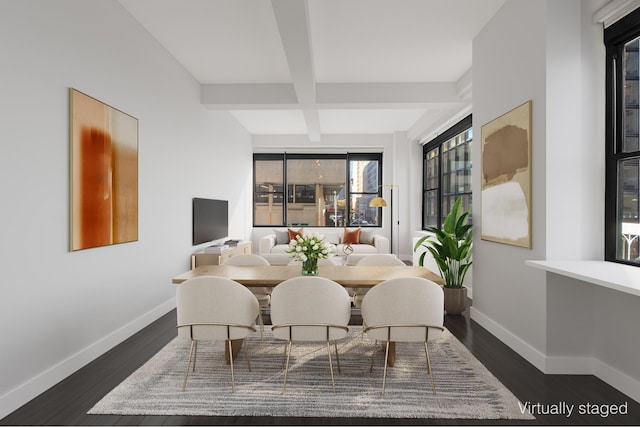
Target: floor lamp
[{"x": 379, "y": 202}]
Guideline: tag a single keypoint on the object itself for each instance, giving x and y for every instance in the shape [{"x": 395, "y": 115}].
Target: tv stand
[{"x": 201, "y": 258}]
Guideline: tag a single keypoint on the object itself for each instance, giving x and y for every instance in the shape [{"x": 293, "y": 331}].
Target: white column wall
[
  {"x": 415, "y": 189},
  {"x": 401, "y": 216},
  {"x": 509, "y": 69},
  {"x": 62, "y": 309},
  {"x": 575, "y": 147},
  {"x": 590, "y": 151}
]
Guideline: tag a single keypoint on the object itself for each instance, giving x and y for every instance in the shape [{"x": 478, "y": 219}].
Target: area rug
[{"x": 465, "y": 388}]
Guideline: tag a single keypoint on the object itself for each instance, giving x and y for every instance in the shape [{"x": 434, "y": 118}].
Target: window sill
[{"x": 611, "y": 275}]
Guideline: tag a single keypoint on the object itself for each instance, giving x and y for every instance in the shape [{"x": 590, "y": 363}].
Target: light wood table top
[{"x": 352, "y": 276}]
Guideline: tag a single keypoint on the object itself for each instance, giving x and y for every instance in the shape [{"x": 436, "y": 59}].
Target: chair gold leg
[
  {"x": 233, "y": 380},
  {"x": 284, "y": 355},
  {"x": 373, "y": 354},
  {"x": 186, "y": 373},
  {"x": 333, "y": 383},
  {"x": 426, "y": 352},
  {"x": 195, "y": 355},
  {"x": 286, "y": 368},
  {"x": 261, "y": 324},
  {"x": 335, "y": 345},
  {"x": 246, "y": 350},
  {"x": 384, "y": 376}
]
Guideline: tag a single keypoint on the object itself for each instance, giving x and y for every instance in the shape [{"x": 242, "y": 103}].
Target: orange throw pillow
[
  {"x": 293, "y": 233},
  {"x": 351, "y": 236}
]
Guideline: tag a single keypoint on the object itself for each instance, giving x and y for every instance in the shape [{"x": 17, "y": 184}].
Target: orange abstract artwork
[{"x": 104, "y": 174}]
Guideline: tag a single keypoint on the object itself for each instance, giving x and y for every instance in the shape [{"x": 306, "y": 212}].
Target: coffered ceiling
[{"x": 319, "y": 67}]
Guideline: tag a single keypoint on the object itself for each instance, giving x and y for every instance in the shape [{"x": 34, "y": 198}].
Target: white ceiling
[{"x": 324, "y": 66}]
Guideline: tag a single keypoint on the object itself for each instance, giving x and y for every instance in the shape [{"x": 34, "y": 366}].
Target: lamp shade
[{"x": 377, "y": 202}]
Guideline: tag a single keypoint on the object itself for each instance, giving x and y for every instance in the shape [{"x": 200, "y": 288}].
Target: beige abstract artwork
[{"x": 506, "y": 178}]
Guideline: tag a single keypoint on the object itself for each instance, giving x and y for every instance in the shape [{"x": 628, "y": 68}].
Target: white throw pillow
[
  {"x": 366, "y": 236},
  {"x": 331, "y": 237},
  {"x": 282, "y": 237}
]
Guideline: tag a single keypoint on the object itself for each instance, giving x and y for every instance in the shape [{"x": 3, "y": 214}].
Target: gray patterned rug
[{"x": 465, "y": 388}]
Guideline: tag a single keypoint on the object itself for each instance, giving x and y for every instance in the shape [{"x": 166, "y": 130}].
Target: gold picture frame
[
  {"x": 104, "y": 173},
  {"x": 506, "y": 178}
]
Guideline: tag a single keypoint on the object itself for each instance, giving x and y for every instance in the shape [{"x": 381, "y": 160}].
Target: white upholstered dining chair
[
  {"x": 262, "y": 294},
  {"x": 407, "y": 309},
  {"x": 310, "y": 309},
  {"x": 213, "y": 308},
  {"x": 373, "y": 259}
]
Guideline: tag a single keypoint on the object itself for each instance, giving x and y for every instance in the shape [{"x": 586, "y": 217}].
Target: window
[
  {"x": 364, "y": 184},
  {"x": 622, "y": 189},
  {"x": 328, "y": 190},
  {"x": 446, "y": 173},
  {"x": 268, "y": 195}
]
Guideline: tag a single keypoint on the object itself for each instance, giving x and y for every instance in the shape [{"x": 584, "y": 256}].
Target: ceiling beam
[
  {"x": 330, "y": 96},
  {"x": 385, "y": 95},
  {"x": 434, "y": 122},
  {"x": 312, "y": 119},
  {"x": 464, "y": 85},
  {"x": 292, "y": 17}
]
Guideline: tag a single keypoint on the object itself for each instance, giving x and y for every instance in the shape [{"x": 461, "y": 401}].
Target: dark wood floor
[{"x": 67, "y": 402}]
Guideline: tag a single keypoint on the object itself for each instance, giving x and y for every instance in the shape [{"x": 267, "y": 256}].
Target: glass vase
[{"x": 310, "y": 267}]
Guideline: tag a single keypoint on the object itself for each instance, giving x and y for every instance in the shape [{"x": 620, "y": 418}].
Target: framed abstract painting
[
  {"x": 104, "y": 174},
  {"x": 506, "y": 178}
]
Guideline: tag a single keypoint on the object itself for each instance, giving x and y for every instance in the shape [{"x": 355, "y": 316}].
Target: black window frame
[
  {"x": 347, "y": 157},
  {"x": 458, "y": 128},
  {"x": 616, "y": 37}
]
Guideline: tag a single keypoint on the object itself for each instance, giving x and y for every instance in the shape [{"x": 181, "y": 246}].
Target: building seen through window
[
  {"x": 447, "y": 173},
  {"x": 316, "y": 190},
  {"x": 622, "y": 196}
]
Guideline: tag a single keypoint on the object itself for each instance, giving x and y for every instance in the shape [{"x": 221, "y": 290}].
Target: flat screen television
[{"x": 210, "y": 220}]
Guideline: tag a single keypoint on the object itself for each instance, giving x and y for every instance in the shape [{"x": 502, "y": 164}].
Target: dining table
[{"x": 352, "y": 276}]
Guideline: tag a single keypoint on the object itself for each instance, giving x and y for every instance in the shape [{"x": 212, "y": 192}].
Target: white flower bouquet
[{"x": 309, "y": 248}]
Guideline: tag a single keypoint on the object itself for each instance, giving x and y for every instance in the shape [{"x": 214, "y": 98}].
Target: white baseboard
[
  {"x": 569, "y": 365},
  {"x": 524, "y": 349},
  {"x": 25, "y": 392},
  {"x": 591, "y": 366},
  {"x": 615, "y": 378},
  {"x": 562, "y": 365}
]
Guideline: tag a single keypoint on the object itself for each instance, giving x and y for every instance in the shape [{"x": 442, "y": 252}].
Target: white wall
[{"x": 61, "y": 309}]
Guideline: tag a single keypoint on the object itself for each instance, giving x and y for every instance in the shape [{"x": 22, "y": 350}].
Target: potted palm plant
[{"x": 451, "y": 247}]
